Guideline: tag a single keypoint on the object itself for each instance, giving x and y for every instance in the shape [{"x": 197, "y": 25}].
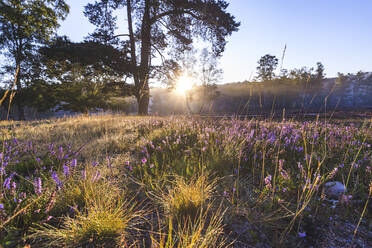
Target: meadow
[{"x": 121, "y": 181}]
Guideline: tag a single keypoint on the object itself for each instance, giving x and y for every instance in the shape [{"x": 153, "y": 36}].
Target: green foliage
[
  {"x": 266, "y": 67},
  {"x": 24, "y": 25},
  {"x": 186, "y": 20},
  {"x": 88, "y": 73}
]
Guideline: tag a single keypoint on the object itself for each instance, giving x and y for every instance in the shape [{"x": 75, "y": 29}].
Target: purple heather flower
[
  {"x": 56, "y": 179},
  {"x": 268, "y": 181},
  {"x": 127, "y": 163},
  {"x": 73, "y": 163},
  {"x": 38, "y": 160},
  {"x": 60, "y": 156},
  {"x": 66, "y": 170},
  {"x": 6, "y": 183},
  {"x": 38, "y": 186}
]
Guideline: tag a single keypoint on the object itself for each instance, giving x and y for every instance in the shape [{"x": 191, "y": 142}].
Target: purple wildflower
[
  {"x": 56, "y": 179},
  {"x": 6, "y": 183},
  {"x": 38, "y": 186},
  {"x": 144, "y": 160},
  {"x": 1, "y": 206},
  {"x": 94, "y": 164},
  {"x": 66, "y": 170},
  {"x": 302, "y": 235},
  {"x": 73, "y": 163},
  {"x": 268, "y": 181}
]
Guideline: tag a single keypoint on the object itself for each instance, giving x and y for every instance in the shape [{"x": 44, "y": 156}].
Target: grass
[
  {"x": 186, "y": 199},
  {"x": 179, "y": 182}
]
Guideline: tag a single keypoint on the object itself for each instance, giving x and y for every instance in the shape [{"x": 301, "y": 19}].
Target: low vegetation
[{"x": 117, "y": 181}]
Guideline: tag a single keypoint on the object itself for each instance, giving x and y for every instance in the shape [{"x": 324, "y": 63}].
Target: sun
[{"x": 184, "y": 84}]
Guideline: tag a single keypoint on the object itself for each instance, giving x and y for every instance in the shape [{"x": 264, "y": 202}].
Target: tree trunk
[
  {"x": 143, "y": 103},
  {"x": 143, "y": 94},
  {"x": 21, "y": 113},
  {"x": 141, "y": 73}
]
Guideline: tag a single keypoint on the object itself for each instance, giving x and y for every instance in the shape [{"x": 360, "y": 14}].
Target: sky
[{"x": 337, "y": 33}]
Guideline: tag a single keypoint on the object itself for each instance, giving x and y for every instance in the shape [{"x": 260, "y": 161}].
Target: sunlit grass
[{"x": 269, "y": 173}]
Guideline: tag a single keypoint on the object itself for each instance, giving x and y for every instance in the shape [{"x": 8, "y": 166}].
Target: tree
[
  {"x": 266, "y": 67},
  {"x": 319, "y": 71},
  {"x": 23, "y": 26},
  {"x": 172, "y": 25},
  {"x": 87, "y": 73}
]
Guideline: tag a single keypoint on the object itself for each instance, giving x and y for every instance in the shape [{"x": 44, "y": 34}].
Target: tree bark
[
  {"x": 141, "y": 73},
  {"x": 21, "y": 113},
  {"x": 143, "y": 96}
]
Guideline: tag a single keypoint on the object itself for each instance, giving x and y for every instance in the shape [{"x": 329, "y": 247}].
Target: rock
[{"x": 334, "y": 189}]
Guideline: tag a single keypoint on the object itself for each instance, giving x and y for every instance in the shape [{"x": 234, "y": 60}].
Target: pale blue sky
[{"x": 336, "y": 32}]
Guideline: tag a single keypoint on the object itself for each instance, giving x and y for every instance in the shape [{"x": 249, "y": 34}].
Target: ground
[{"x": 119, "y": 181}]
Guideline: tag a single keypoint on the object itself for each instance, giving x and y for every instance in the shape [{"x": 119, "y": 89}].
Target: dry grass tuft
[{"x": 187, "y": 198}]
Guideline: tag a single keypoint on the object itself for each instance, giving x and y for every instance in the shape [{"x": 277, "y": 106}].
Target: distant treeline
[{"x": 348, "y": 92}]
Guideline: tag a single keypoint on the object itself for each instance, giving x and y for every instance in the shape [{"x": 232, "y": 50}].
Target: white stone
[{"x": 334, "y": 189}]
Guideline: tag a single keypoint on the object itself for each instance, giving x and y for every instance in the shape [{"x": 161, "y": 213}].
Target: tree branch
[
  {"x": 161, "y": 55},
  {"x": 174, "y": 12}
]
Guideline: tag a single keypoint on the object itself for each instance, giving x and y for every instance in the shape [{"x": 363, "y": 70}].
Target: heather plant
[{"x": 270, "y": 173}]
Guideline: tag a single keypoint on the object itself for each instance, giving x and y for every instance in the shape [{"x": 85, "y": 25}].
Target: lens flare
[{"x": 184, "y": 84}]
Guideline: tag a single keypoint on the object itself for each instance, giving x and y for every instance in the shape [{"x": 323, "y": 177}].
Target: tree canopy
[
  {"x": 155, "y": 27},
  {"x": 24, "y": 25}
]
